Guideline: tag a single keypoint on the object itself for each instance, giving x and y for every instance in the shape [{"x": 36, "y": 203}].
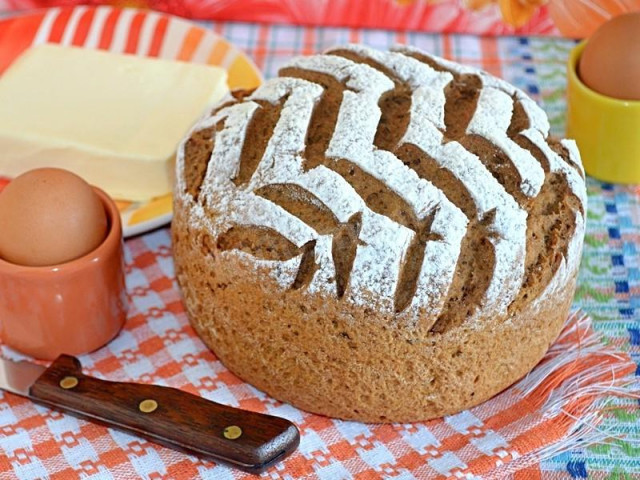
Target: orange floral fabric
[{"x": 575, "y": 18}]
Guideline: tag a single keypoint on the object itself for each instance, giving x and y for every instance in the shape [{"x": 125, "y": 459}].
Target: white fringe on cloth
[{"x": 577, "y": 399}]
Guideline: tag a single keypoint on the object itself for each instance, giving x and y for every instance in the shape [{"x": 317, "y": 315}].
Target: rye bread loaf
[{"x": 378, "y": 236}]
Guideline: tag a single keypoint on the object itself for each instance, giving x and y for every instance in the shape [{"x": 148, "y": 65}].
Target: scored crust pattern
[{"x": 394, "y": 178}]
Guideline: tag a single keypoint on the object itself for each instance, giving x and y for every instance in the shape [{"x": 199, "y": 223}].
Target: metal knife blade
[
  {"x": 17, "y": 377},
  {"x": 176, "y": 419}
]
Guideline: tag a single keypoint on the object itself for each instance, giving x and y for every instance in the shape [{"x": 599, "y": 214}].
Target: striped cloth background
[{"x": 609, "y": 287}]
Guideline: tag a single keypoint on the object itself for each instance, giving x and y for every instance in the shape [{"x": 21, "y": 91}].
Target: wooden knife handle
[{"x": 173, "y": 418}]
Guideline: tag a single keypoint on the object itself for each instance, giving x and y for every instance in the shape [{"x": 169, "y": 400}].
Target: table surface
[{"x": 157, "y": 345}]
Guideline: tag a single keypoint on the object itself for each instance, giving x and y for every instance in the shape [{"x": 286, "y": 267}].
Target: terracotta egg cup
[
  {"x": 75, "y": 307},
  {"x": 605, "y": 128}
]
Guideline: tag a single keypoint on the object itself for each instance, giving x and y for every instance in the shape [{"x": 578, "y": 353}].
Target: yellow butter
[{"x": 113, "y": 119}]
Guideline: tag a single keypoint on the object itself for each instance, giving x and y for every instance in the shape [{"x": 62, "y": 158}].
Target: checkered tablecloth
[{"x": 158, "y": 346}]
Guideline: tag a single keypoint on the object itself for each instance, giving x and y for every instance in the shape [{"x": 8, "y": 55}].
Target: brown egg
[
  {"x": 610, "y": 61},
  {"x": 49, "y": 216}
]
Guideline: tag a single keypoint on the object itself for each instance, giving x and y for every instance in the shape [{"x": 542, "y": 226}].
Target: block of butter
[{"x": 113, "y": 119}]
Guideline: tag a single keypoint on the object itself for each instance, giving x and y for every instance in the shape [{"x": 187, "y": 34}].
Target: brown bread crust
[{"x": 339, "y": 360}]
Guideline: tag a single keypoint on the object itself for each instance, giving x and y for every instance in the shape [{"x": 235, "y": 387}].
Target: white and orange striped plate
[{"x": 132, "y": 31}]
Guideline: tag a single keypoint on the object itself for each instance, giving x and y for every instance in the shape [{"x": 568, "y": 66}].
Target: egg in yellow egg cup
[{"x": 606, "y": 129}]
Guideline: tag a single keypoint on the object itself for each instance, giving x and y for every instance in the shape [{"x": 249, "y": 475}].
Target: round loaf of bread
[{"x": 378, "y": 236}]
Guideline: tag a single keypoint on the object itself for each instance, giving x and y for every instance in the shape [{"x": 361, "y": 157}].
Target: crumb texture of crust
[{"x": 435, "y": 186}]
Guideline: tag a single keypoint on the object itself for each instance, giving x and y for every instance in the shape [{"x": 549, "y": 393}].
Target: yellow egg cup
[{"x": 607, "y": 130}]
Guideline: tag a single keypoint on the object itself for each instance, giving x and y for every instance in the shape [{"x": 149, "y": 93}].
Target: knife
[{"x": 179, "y": 420}]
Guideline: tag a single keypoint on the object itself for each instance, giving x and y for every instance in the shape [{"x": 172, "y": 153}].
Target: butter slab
[{"x": 114, "y": 119}]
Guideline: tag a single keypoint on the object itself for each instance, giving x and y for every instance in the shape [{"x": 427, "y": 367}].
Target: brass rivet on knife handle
[
  {"x": 69, "y": 382},
  {"x": 232, "y": 432},
  {"x": 148, "y": 406}
]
